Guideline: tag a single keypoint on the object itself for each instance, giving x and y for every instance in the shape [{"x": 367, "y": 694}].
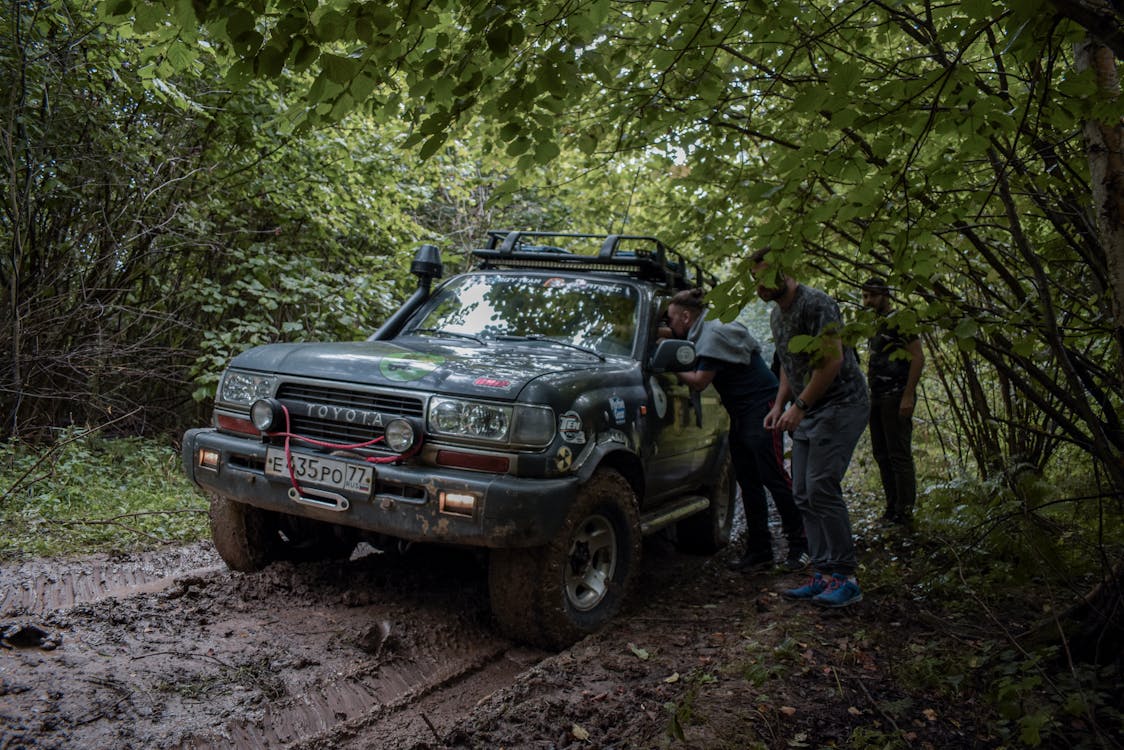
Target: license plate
[{"x": 321, "y": 471}]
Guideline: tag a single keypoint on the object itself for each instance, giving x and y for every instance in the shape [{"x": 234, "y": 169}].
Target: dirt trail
[{"x": 172, "y": 650}]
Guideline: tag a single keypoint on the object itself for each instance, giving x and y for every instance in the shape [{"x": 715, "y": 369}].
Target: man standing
[
  {"x": 828, "y": 413},
  {"x": 893, "y": 370},
  {"x": 730, "y": 358}
]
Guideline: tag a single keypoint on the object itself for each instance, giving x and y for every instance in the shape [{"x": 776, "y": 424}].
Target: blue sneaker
[
  {"x": 814, "y": 587},
  {"x": 841, "y": 592}
]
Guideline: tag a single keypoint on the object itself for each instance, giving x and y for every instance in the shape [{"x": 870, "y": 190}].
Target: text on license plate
[{"x": 326, "y": 472}]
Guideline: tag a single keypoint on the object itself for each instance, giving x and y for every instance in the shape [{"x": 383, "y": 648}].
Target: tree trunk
[{"x": 1105, "y": 146}]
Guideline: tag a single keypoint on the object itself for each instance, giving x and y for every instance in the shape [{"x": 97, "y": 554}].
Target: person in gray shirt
[{"x": 823, "y": 380}]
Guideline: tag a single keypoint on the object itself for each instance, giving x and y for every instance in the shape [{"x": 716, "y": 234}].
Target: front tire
[
  {"x": 249, "y": 538},
  {"x": 246, "y": 537},
  {"x": 552, "y": 596}
]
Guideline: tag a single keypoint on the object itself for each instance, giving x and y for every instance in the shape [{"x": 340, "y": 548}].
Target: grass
[{"x": 85, "y": 493}]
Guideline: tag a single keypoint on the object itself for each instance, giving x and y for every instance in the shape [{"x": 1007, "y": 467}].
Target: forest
[{"x": 184, "y": 179}]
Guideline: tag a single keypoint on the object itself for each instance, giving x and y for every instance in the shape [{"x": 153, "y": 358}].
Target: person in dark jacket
[
  {"x": 730, "y": 359},
  {"x": 893, "y": 371}
]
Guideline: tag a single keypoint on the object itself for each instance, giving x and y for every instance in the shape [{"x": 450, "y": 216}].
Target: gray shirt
[{"x": 813, "y": 313}]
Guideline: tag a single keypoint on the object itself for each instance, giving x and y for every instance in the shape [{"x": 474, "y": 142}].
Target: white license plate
[{"x": 321, "y": 471}]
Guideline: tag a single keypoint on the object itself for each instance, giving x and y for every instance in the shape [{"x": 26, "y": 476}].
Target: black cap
[{"x": 876, "y": 285}]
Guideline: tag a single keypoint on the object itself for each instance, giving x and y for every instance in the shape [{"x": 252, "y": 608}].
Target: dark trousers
[
  {"x": 891, "y": 442},
  {"x": 759, "y": 465}
]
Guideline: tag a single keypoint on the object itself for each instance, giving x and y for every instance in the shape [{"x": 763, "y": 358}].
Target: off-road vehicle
[{"x": 527, "y": 406}]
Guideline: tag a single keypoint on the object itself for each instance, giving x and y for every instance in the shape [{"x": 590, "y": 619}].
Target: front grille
[{"x": 338, "y": 415}]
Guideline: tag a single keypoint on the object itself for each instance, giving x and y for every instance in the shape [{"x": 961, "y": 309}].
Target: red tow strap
[{"x": 289, "y": 437}]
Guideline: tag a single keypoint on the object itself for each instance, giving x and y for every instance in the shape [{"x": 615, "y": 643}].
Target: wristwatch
[{"x": 800, "y": 404}]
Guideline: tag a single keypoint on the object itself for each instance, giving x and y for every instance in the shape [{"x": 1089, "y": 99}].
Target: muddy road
[{"x": 171, "y": 649}]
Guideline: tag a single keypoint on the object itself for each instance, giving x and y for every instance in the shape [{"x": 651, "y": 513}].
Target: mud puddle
[{"x": 171, "y": 650}]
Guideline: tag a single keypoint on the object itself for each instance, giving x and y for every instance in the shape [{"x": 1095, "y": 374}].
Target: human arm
[
  {"x": 784, "y": 391},
  {"x": 696, "y": 380},
  {"x": 824, "y": 373},
  {"x": 916, "y": 364}
]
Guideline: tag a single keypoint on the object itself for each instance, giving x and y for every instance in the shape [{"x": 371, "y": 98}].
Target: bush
[{"x": 84, "y": 493}]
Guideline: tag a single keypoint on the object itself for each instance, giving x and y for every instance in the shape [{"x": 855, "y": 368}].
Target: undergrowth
[
  {"x": 86, "y": 493},
  {"x": 993, "y": 567}
]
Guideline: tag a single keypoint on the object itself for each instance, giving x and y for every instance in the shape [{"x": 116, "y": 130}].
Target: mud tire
[
  {"x": 554, "y": 595},
  {"x": 245, "y": 537},
  {"x": 708, "y": 532}
]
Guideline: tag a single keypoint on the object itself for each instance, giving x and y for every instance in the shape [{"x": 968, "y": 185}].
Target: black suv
[{"x": 526, "y": 406}]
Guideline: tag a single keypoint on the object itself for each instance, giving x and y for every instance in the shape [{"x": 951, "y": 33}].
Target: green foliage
[
  {"x": 85, "y": 493},
  {"x": 159, "y": 221}
]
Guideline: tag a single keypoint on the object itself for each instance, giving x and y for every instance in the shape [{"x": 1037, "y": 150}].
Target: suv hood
[{"x": 497, "y": 369}]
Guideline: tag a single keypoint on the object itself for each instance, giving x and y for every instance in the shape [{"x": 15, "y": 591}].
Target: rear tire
[
  {"x": 708, "y": 531},
  {"x": 552, "y": 596}
]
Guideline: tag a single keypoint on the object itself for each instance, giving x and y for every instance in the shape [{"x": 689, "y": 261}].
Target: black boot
[{"x": 752, "y": 561}]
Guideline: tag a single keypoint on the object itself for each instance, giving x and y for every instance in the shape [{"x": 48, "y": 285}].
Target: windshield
[{"x": 598, "y": 315}]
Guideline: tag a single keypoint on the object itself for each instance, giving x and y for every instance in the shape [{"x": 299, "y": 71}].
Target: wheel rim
[{"x": 592, "y": 562}]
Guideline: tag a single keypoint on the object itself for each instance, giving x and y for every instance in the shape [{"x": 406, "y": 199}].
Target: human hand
[{"x": 791, "y": 419}]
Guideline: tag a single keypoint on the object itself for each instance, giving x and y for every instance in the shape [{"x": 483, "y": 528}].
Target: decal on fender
[
  {"x": 658, "y": 397},
  {"x": 613, "y": 436},
  {"x": 616, "y": 404},
  {"x": 563, "y": 459},
  {"x": 570, "y": 427}
]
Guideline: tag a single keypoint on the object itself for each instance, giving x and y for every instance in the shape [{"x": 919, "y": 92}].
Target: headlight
[
  {"x": 268, "y": 415},
  {"x": 244, "y": 388},
  {"x": 469, "y": 419},
  {"x": 519, "y": 424},
  {"x": 399, "y": 435}
]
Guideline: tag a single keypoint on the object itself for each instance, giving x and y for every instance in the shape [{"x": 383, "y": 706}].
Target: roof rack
[{"x": 629, "y": 254}]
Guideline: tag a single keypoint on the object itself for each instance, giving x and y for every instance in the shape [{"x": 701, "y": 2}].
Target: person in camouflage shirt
[
  {"x": 822, "y": 402},
  {"x": 893, "y": 371}
]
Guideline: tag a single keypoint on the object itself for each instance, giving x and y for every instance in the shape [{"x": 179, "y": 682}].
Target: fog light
[
  {"x": 460, "y": 503},
  {"x": 267, "y": 414},
  {"x": 399, "y": 435},
  {"x": 209, "y": 458}
]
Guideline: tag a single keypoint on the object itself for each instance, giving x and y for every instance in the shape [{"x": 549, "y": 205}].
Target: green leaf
[
  {"x": 431, "y": 145},
  {"x": 339, "y": 69},
  {"x": 546, "y": 152},
  {"x": 304, "y": 53},
  {"x": 640, "y": 653},
  {"x": 802, "y": 343},
  {"x": 330, "y": 26}
]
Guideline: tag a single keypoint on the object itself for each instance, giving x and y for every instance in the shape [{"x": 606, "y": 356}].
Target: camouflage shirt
[
  {"x": 888, "y": 367},
  {"x": 813, "y": 313}
]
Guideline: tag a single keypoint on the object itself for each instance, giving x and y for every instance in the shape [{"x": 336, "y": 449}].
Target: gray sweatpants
[{"x": 821, "y": 450}]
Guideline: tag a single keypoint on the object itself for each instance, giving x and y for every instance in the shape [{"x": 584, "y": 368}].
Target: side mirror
[{"x": 672, "y": 355}]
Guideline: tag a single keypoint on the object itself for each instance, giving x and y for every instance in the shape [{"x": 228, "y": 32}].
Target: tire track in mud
[
  {"x": 397, "y": 708},
  {"x": 39, "y": 586},
  {"x": 170, "y": 649}
]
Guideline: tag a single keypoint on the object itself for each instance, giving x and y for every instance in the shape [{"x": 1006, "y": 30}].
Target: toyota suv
[{"x": 528, "y": 406}]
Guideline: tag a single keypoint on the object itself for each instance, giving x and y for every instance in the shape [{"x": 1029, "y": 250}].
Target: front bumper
[{"x": 509, "y": 512}]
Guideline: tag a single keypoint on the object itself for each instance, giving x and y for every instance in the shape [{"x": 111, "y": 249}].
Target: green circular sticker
[{"x": 405, "y": 366}]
